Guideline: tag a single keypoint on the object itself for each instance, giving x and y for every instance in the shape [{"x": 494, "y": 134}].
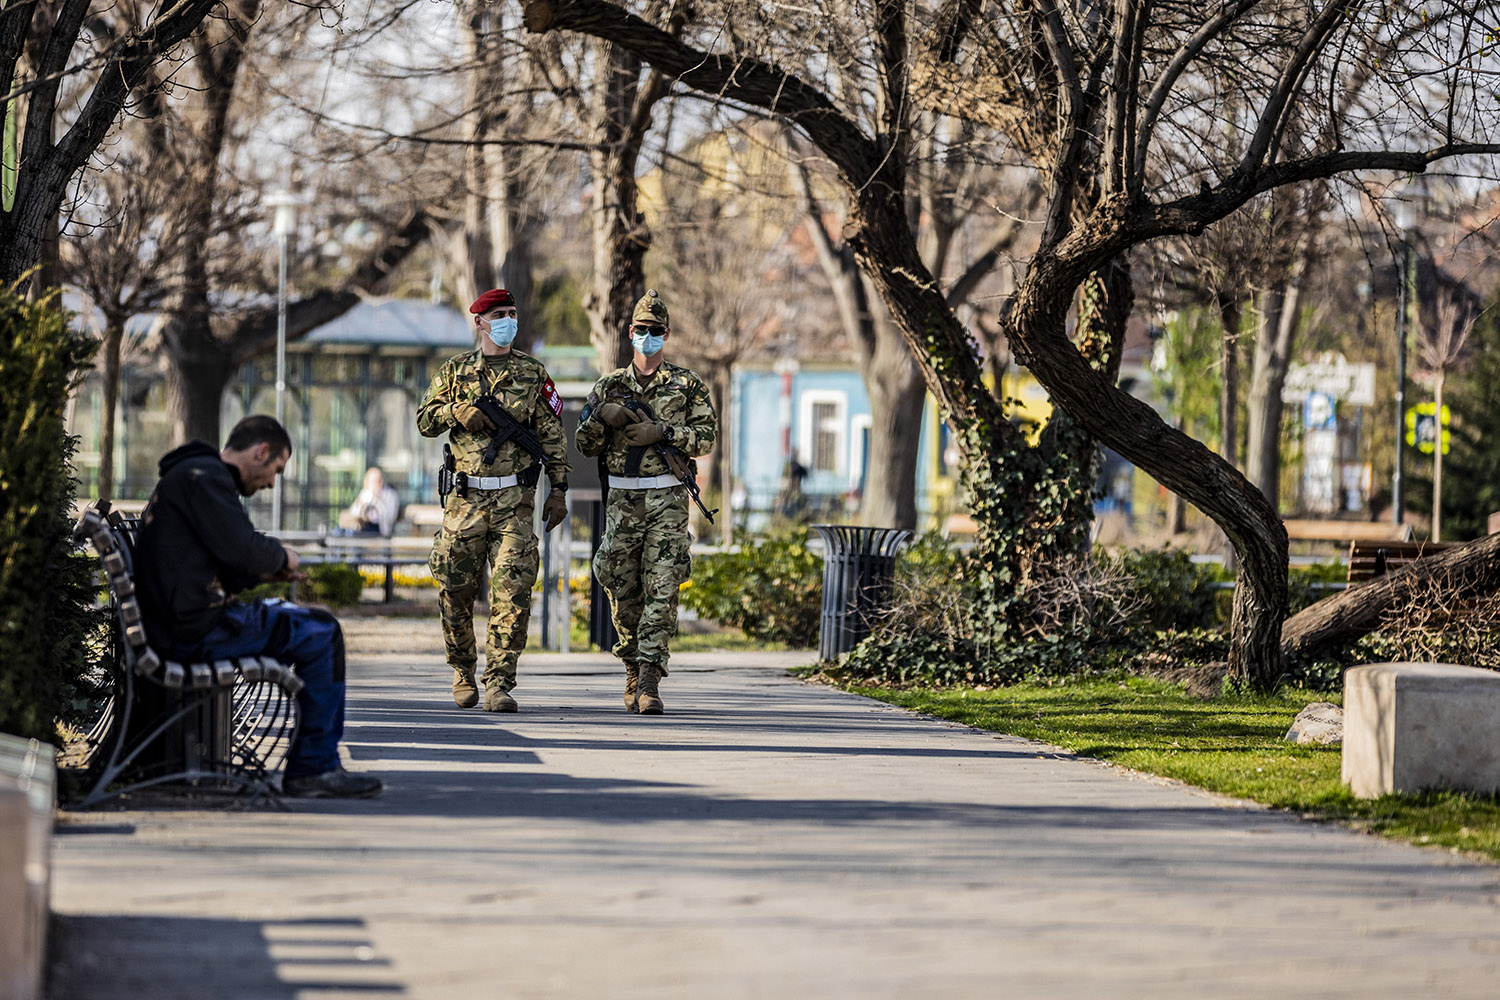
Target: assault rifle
[
  {"x": 677, "y": 461},
  {"x": 507, "y": 428}
]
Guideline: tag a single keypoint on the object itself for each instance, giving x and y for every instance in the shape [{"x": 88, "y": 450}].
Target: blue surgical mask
[
  {"x": 503, "y": 331},
  {"x": 647, "y": 343}
]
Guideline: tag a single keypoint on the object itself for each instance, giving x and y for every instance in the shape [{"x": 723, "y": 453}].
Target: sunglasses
[{"x": 651, "y": 330}]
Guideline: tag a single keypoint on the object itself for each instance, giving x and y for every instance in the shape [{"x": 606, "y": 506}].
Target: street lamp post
[
  {"x": 284, "y": 225},
  {"x": 1403, "y": 219}
]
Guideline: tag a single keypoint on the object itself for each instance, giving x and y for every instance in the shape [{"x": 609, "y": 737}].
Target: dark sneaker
[{"x": 335, "y": 784}]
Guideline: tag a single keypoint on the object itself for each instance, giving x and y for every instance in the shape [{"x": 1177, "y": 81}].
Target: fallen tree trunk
[{"x": 1462, "y": 573}]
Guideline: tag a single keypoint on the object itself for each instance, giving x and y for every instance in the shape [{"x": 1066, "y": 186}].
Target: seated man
[{"x": 196, "y": 548}]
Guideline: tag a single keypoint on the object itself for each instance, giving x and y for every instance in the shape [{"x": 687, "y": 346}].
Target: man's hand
[
  {"x": 472, "y": 419},
  {"x": 639, "y": 434},
  {"x": 287, "y": 572},
  {"x": 555, "y": 508},
  {"x": 617, "y": 415}
]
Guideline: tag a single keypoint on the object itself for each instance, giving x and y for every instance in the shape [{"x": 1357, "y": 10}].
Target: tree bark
[
  {"x": 114, "y": 336},
  {"x": 202, "y": 351},
  {"x": 47, "y": 164},
  {"x": 1229, "y": 385},
  {"x": 897, "y": 395},
  {"x": 621, "y": 236},
  {"x": 1036, "y": 324},
  {"x": 1273, "y": 345},
  {"x": 1461, "y": 573}
]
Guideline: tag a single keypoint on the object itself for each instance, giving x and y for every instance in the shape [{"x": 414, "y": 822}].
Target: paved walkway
[{"x": 767, "y": 838}]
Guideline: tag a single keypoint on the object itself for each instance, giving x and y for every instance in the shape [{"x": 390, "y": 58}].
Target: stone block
[
  {"x": 26, "y": 801},
  {"x": 1410, "y": 726}
]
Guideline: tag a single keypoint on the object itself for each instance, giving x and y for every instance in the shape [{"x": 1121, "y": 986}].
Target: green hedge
[
  {"x": 336, "y": 585},
  {"x": 772, "y": 588},
  {"x": 45, "y": 587}
]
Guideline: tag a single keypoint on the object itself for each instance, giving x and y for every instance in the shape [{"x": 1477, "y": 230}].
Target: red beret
[{"x": 490, "y": 299}]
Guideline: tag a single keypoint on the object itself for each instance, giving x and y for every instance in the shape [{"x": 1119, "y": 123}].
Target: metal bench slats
[{"x": 228, "y": 723}]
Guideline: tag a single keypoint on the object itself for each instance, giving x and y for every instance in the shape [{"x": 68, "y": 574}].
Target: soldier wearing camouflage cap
[
  {"x": 488, "y": 514},
  {"x": 643, "y": 557}
]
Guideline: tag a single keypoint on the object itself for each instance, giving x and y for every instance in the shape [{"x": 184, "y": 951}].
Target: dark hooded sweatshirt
[{"x": 196, "y": 547}]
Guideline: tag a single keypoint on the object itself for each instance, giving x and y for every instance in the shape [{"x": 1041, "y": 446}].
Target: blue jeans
[{"x": 310, "y": 640}]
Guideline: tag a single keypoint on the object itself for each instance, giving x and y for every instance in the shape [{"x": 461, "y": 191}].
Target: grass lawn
[{"x": 1231, "y": 744}]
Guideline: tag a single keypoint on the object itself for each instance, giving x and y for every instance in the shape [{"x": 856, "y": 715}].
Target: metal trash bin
[{"x": 858, "y": 566}]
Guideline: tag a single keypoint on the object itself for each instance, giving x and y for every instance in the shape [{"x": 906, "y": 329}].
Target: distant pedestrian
[
  {"x": 374, "y": 511},
  {"x": 643, "y": 558},
  {"x": 501, "y": 413}
]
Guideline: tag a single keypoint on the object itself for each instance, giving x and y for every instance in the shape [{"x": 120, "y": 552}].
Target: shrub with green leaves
[
  {"x": 46, "y": 588},
  {"x": 337, "y": 585},
  {"x": 1170, "y": 590},
  {"x": 771, "y": 588}
]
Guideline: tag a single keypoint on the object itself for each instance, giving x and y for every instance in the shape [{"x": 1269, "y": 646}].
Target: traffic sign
[{"x": 1422, "y": 423}]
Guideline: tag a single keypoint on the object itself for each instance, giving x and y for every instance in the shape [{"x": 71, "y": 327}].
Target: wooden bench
[
  {"x": 1312, "y": 530},
  {"x": 1368, "y": 560},
  {"x": 225, "y": 725}
]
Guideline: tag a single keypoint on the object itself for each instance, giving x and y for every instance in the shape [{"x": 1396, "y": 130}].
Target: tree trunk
[
  {"x": 114, "y": 336},
  {"x": 512, "y": 236},
  {"x": 897, "y": 395},
  {"x": 621, "y": 237},
  {"x": 1461, "y": 573},
  {"x": 721, "y": 461},
  {"x": 1273, "y": 347},
  {"x": 1229, "y": 386},
  {"x": 1229, "y": 396},
  {"x": 893, "y": 381},
  {"x": 1437, "y": 458},
  {"x": 1036, "y": 324}
]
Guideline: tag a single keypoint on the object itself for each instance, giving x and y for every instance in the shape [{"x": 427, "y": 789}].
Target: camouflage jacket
[
  {"x": 527, "y": 394},
  {"x": 676, "y": 396}
]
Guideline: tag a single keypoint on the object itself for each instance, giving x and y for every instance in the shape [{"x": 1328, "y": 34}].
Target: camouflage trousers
[
  {"x": 493, "y": 525},
  {"x": 641, "y": 563}
]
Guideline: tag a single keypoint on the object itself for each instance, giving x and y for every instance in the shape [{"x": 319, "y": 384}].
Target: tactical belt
[
  {"x": 641, "y": 482},
  {"x": 492, "y": 482}
]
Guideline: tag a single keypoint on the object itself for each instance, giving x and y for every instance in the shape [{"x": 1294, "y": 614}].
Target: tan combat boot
[
  {"x": 632, "y": 672},
  {"x": 496, "y": 700},
  {"x": 465, "y": 693},
  {"x": 647, "y": 698}
]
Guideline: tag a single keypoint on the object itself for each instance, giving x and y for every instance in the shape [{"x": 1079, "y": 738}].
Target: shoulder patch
[{"x": 551, "y": 398}]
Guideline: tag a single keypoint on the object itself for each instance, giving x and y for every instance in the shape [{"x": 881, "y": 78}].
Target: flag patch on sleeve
[{"x": 551, "y": 398}]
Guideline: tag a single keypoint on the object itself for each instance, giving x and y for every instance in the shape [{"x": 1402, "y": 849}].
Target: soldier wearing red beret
[{"x": 489, "y": 514}]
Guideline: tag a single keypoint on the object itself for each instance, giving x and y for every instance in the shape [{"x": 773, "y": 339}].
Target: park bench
[
  {"x": 225, "y": 725},
  {"x": 1368, "y": 560},
  {"x": 1316, "y": 530}
]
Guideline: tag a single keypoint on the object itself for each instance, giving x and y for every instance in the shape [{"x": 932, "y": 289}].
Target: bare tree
[
  {"x": 1108, "y": 85},
  {"x": 194, "y": 132},
  {"x": 68, "y": 66},
  {"x": 1440, "y": 348},
  {"x": 723, "y": 248},
  {"x": 117, "y": 250}
]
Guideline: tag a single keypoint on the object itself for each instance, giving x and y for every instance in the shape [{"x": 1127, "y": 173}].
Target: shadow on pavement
[{"x": 182, "y": 958}]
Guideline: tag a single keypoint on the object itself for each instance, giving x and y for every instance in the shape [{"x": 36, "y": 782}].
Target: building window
[{"x": 824, "y": 432}]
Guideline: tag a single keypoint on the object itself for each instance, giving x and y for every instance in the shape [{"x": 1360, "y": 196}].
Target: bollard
[{"x": 858, "y": 566}]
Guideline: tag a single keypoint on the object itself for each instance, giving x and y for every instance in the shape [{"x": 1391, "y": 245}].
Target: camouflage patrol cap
[{"x": 651, "y": 309}]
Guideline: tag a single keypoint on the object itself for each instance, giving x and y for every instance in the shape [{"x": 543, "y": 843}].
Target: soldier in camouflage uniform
[
  {"x": 488, "y": 515},
  {"x": 643, "y": 558}
]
